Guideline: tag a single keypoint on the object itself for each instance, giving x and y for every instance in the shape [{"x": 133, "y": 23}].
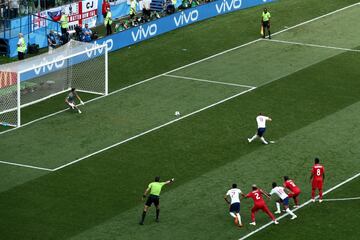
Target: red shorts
[
  {"x": 261, "y": 206},
  {"x": 317, "y": 184},
  {"x": 294, "y": 194}
]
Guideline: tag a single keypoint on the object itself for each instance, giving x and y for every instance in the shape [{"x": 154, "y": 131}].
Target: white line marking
[
  {"x": 301, "y": 206},
  {"x": 153, "y": 129},
  {"x": 313, "y": 45},
  {"x": 341, "y": 199},
  {"x": 190, "y": 64},
  {"x": 208, "y": 81},
  {"x": 26, "y": 166}
]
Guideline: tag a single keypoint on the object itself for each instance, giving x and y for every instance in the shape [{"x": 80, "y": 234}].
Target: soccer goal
[{"x": 79, "y": 65}]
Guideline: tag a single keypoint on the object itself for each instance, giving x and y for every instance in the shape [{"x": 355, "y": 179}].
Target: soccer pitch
[{"x": 73, "y": 176}]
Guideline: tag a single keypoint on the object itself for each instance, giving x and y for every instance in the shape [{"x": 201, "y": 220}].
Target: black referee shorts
[
  {"x": 266, "y": 24},
  {"x": 153, "y": 199}
]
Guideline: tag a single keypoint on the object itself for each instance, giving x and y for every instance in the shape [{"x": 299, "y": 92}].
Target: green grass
[{"x": 311, "y": 93}]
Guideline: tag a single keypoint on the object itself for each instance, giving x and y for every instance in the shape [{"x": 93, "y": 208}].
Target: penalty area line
[
  {"x": 341, "y": 199},
  {"x": 312, "y": 45},
  {"x": 208, "y": 81},
  {"x": 301, "y": 206},
  {"x": 26, "y": 166}
]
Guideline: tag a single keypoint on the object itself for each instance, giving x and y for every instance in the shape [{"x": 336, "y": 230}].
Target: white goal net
[{"x": 79, "y": 65}]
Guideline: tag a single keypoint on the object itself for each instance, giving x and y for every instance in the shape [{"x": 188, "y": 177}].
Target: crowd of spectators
[
  {"x": 145, "y": 15},
  {"x": 134, "y": 18}
]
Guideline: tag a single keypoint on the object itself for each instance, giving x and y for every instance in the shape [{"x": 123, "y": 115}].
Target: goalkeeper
[{"x": 70, "y": 100}]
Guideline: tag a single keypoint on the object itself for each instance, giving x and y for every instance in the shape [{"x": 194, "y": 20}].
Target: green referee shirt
[
  {"x": 155, "y": 188},
  {"x": 266, "y": 16}
]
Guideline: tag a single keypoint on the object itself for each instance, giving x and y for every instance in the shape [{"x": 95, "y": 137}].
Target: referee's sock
[
  {"x": 143, "y": 217},
  {"x": 157, "y": 214}
]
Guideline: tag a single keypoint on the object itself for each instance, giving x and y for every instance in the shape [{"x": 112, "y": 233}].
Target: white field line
[
  {"x": 301, "y": 206},
  {"x": 208, "y": 81},
  {"x": 190, "y": 64},
  {"x": 341, "y": 199},
  {"x": 26, "y": 166},
  {"x": 153, "y": 129},
  {"x": 312, "y": 45}
]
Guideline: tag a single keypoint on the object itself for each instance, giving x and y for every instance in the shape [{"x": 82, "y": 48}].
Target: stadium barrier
[{"x": 177, "y": 20}]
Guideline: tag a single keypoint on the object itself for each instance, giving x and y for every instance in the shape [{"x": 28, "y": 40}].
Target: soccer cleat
[
  {"x": 313, "y": 200},
  {"x": 293, "y": 217},
  {"x": 157, "y": 220},
  {"x": 277, "y": 212},
  {"x": 253, "y": 223},
  {"x": 276, "y": 222},
  {"x": 141, "y": 223},
  {"x": 320, "y": 200},
  {"x": 240, "y": 225}
]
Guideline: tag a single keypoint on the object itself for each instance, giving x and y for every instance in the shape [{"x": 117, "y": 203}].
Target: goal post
[{"x": 79, "y": 65}]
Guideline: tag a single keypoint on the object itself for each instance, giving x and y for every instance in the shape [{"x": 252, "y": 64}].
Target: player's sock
[
  {"x": 312, "y": 193},
  {"x": 296, "y": 200},
  {"x": 270, "y": 214},
  {"x": 252, "y": 216},
  {"x": 278, "y": 207},
  {"x": 290, "y": 212},
  {"x": 157, "y": 214},
  {"x": 263, "y": 140},
  {"x": 320, "y": 194},
  {"x": 143, "y": 218},
  {"x": 239, "y": 218},
  {"x": 253, "y": 138},
  {"x": 233, "y": 215}
]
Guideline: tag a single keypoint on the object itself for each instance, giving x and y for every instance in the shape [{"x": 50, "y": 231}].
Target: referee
[
  {"x": 154, "y": 188},
  {"x": 265, "y": 21}
]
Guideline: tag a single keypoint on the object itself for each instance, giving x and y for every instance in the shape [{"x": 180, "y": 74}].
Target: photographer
[{"x": 52, "y": 41}]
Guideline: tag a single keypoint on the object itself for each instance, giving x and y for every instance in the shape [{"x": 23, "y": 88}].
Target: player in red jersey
[
  {"x": 295, "y": 190},
  {"x": 259, "y": 203},
  {"x": 317, "y": 177}
]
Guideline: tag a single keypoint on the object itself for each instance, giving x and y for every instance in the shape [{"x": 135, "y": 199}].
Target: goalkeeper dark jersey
[{"x": 71, "y": 97}]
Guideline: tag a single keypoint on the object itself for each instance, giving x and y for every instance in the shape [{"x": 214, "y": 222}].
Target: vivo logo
[
  {"x": 184, "y": 19},
  {"x": 143, "y": 33},
  {"x": 44, "y": 67},
  {"x": 227, "y": 6},
  {"x": 94, "y": 51}
]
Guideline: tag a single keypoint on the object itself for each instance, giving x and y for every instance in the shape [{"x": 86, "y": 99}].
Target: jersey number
[
  {"x": 257, "y": 196},
  {"x": 292, "y": 184},
  {"x": 318, "y": 172}
]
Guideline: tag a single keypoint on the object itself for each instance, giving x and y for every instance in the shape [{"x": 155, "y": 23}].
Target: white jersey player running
[
  {"x": 261, "y": 123},
  {"x": 283, "y": 197},
  {"x": 234, "y": 194}
]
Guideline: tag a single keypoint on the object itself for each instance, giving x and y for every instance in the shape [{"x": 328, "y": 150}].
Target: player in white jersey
[
  {"x": 284, "y": 198},
  {"x": 234, "y": 194},
  {"x": 261, "y": 123}
]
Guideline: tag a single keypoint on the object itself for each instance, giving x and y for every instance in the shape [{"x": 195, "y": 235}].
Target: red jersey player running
[
  {"x": 259, "y": 203},
  {"x": 317, "y": 177},
  {"x": 295, "y": 190}
]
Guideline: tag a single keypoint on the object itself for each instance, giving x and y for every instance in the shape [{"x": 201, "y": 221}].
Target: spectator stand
[{"x": 33, "y": 33}]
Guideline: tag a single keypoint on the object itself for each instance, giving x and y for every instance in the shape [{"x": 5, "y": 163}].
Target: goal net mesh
[{"x": 75, "y": 65}]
